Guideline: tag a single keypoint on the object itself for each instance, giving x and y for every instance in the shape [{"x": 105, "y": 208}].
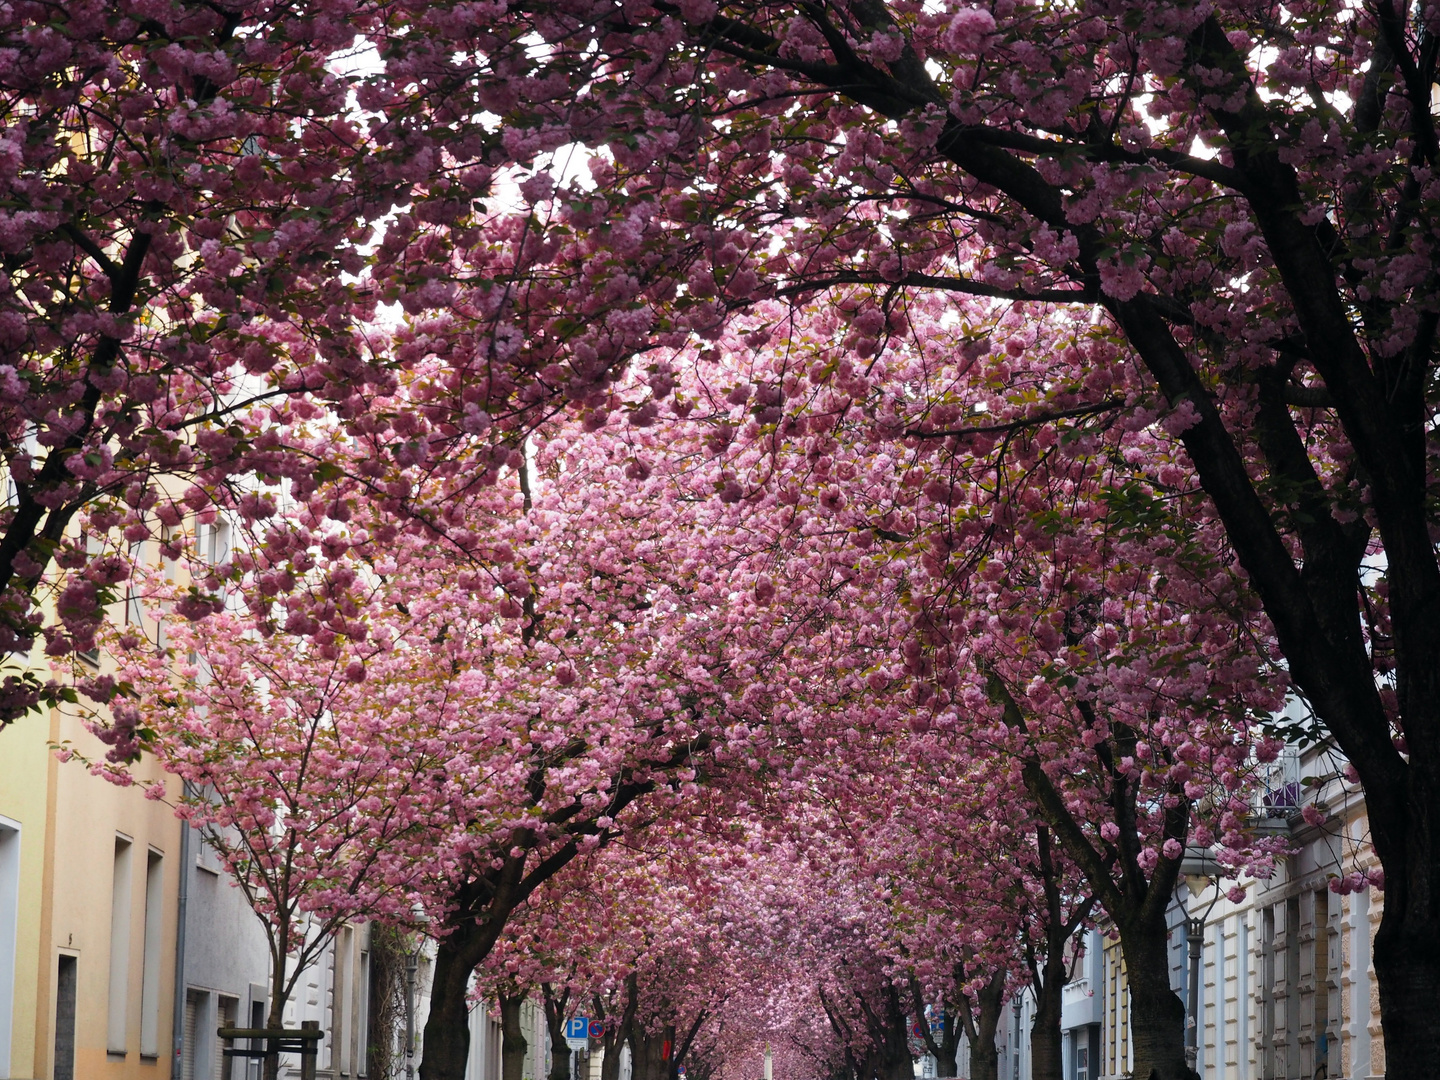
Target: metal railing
[{"x": 1280, "y": 791}]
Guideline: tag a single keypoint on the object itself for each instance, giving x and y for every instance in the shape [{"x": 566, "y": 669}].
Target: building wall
[
  {"x": 335, "y": 992},
  {"x": 227, "y": 965},
  {"x": 27, "y": 770},
  {"x": 1287, "y": 988},
  {"x": 61, "y": 830},
  {"x": 1082, "y": 1012},
  {"x": 91, "y": 820}
]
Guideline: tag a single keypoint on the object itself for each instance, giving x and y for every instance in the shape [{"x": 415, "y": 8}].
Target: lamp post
[
  {"x": 1200, "y": 871},
  {"x": 412, "y": 962}
]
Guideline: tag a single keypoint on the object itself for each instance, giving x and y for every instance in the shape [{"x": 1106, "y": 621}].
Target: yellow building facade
[{"x": 88, "y": 881}]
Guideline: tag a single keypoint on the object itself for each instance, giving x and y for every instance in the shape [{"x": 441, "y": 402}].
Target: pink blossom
[{"x": 968, "y": 32}]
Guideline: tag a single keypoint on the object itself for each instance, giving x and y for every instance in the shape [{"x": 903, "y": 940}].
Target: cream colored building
[
  {"x": 1287, "y": 986},
  {"x": 1287, "y": 989},
  {"x": 88, "y": 872}
]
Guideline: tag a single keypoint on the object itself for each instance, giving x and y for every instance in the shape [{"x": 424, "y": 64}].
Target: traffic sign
[
  {"x": 596, "y": 1029},
  {"x": 577, "y": 1033}
]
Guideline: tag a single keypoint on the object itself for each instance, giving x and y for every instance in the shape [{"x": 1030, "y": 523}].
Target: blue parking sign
[{"x": 577, "y": 1027}]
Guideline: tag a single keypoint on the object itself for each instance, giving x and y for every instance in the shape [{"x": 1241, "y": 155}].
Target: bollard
[{"x": 307, "y": 1061}]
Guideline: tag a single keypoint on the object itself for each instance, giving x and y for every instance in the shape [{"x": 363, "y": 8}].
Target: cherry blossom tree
[
  {"x": 1241, "y": 202},
  {"x": 570, "y": 627},
  {"x": 1052, "y": 612},
  {"x": 185, "y": 211},
  {"x": 322, "y": 799},
  {"x": 1241, "y": 198}
]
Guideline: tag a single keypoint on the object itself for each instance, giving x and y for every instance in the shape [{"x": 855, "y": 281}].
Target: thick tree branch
[{"x": 1038, "y": 420}]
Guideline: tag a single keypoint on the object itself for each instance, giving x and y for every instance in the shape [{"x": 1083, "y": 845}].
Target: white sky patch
[
  {"x": 389, "y": 317},
  {"x": 571, "y": 163},
  {"x": 364, "y": 59},
  {"x": 568, "y": 164}
]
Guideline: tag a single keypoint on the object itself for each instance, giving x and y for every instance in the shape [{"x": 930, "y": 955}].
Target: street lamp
[
  {"x": 412, "y": 962},
  {"x": 1200, "y": 871}
]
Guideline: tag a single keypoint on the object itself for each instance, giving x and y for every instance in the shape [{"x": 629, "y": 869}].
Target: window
[
  {"x": 362, "y": 1019},
  {"x": 1321, "y": 1029},
  {"x": 150, "y": 980},
  {"x": 9, "y": 918},
  {"x": 190, "y": 1043},
  {"x": 65, "y": 985},
  {"x": 257, "y": 1020},
  {"x": 134, "y": 609},
  {"x": 217, "y": 542},
  {"x": 205, "y": 857},
  {"x": 119, "y": 948},
  {"x": 226, "y": 1010}
]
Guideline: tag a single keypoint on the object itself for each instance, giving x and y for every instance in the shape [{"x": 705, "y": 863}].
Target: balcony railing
[
  {"x": 1075, "y": 992},
  {"x": 1280, "y": 789}
]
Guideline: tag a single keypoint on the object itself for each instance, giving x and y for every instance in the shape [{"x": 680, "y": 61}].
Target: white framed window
[
  {"x": 150, "y": 971},
  {"x": 118, "y": 1002},
  {"x": 362, "y": 1020},
  {"x": 9, "y": 927}
]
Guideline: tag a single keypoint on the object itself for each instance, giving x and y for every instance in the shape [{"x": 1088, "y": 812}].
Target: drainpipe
[
  {"x": 412, "y": 962},
  {"x": 182, "y": 899}
]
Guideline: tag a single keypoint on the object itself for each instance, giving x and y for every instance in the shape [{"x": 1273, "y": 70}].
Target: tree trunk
[
  {"x": 513, "y": 1043},
  {"x": 610, "y": 1063},
  {"x": 1049, "y": 975},
  {"x": 447, "y": 1028},
  {"x": 275, "y": 1018},
  {"x": 981, "y": 1023},
  {"x": 1157, "y": 1015},
  {"x": 680, "y": 1048},
  {"x": 559, "y": 1057},
  {"x": 985, "y": 1062},
  {"x": 1135, "y": 902},
  {"x": 984, "y": 1054},
  {"x": 888, "y": 1057},
  {"x": 647, "y": 1053},
  {"x": 668, "y": 1050},
  {"x": 1407, "y": 967},
  {"x": 618, "y": 1029},
  {"x": 898, "y": 1064},
  {"x": 482, "y": 907},
  {"x": 945, "y": 1051},
  {"x": 946, "y": 1062},
  {"x": 1046, "y": 1055},
  {"x": 555, "y": 1008}
]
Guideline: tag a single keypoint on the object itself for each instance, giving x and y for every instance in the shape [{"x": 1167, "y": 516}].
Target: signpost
[{"x": 577, "y": 1032}]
